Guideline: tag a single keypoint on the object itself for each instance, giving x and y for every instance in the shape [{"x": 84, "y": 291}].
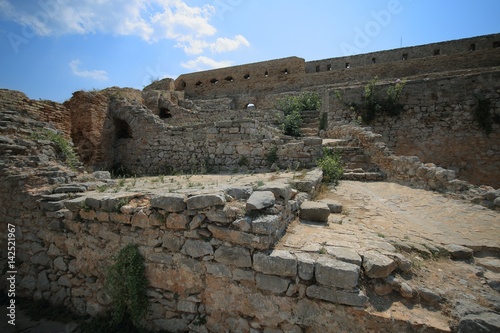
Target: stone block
[
  {"x": 205, "y": 200},
  {"x": 334, "y": 206},
  {"x": 243, "y": 275},
  {"x": 218, "y": 269},
  {"x": 260, "y": 200},
  {"x": 171, "y": 202},
  {"x": 314, "y": 211},
  {"x": 377, "y": 265},
  {"x": 344, "y": 254},
  {"x": 241, "y": 238},
  {"x": 197, "y": 248},
  {"x": 118, "y": 217},
  {"x": 177, "y": 221},
  {"x": 459, "y": 252},
  {"x": 237, "y": 256},
  {"x": 52, "y": 206},
  {"x": 335, "y": 273},
  {"x": 271, "y": 283},
  {"x": 358, "y": 298},
  {"x": 279, "y": 262},
  {"x": 239, "y": 193},
  {"x": 75, "y": 204},
  {"x": 266, "y": 224},
  {"x": 283, "y": 191},
  {"x": 305, "y": 266},
  {"x": 186, "y": 306},
  {"x": 483, "y": 322},
  {"x": 140, "y": 219},
  {"x": 171, "y": 242},
  {"x": 161, "y": 258}
]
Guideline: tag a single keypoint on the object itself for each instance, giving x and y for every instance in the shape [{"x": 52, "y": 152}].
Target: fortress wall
[
  {"x": 41, "y": 110},
  {"x": 437, "y": 124},
  {"x": 406, "y": 53}
]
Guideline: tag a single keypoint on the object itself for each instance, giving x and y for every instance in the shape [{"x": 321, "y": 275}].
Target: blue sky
[{"x": 51, "y": 48}]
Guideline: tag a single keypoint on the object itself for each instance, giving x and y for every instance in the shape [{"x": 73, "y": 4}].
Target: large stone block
[
  {"x": 241, "y": 238},
  {"x": 171, "y": 202},
  {"x": 260, "y": 200},
  {"x": 266, "y": 224},
  {"x": 271, "y": 283},
  {"x": 377, "y": 265},
  {"x": 236, "y": 256},
  {"x": 335, "y": 273},
  {"x": 279, "y": 262},
  {"x": 177, "y": 221},
  {"x": 305, "y": 266},
  {"x": 283, "y": 191},
  {"x": 337, "y": 296},
  {"x": 314, "y": 211},
  {"x": 205, "y": 200},
  {"x": 197, "y": 248}
]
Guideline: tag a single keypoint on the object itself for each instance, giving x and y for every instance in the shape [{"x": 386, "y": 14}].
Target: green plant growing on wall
[
  {"x": 323, "y": 121},
  {"x": 69, "y": 154},
  {"x": 482, "y": 114},
  {"x": 292, "y": 106},
  {"x": 272, "y": 155},
  {"x": 126, "y": 284},
  {"x": 331, "y": 165},
  {"x": 373, "y": 105}
]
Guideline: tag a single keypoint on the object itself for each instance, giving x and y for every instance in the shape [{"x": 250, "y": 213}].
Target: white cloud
[
  {"x": 226, "y": 44},
  {"x": 151, "y": 20},
  {"x": 203, "y": 62},
  {"x": 99, "y": 75}
]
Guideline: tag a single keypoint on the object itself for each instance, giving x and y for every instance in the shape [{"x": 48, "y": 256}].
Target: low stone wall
[
  {"x": 209, "y": 259},
  {"x": 409, "y": 170}
]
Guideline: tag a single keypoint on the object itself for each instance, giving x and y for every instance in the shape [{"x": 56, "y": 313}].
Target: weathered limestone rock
[
  {"x": 377, "y": 265},
  {"x": 171, "y": 202},
  {"x": 197, "y": 248},
  {"x": 205, "y": 200},
  {"x": 70, "y": 189},
  {"x": 459, "y": 252},
  {"x": 266, "y": 224},
  {"x": 177, "y": 221},
  {"x": 484, "y": 322},
  {"x": 101, "y": 175},
  {"x": 218, "y": 269},
  {"x": 279, "y": 262},
  {"x": 75, "y": 204},
  {"x": 314, "y": 211},
  {"x": 283, "y": 191},
  {"x": 335, "y": 206},
  {"x": 337, "y": 296},
  {"x": 260, "y": 200},
  {"x": 237, "y": 256},
  {"x": 335, "y": 273},
  {"x": 239, "y": 193},
  {"x": 305, "y": 266},
  {"x": 344, "y": 254},
  {"x": 429, "y": 296},
  {"x": 271, "y": 283}
]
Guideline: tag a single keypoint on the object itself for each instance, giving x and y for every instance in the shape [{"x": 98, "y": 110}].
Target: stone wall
[
  {"x": 437, "y": 123},
  {"x": 41, "y": 110},
  {"x": 143, "y": 144},
  {"x": 209, "y": 260}
]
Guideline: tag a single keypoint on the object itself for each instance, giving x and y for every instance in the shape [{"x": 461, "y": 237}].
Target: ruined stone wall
[
  {"x": 207, "y": 258},
  {"x": 437, "y": 124},
  {"x": 41, "y": 110},
  {"x": 144, "y": 144}
]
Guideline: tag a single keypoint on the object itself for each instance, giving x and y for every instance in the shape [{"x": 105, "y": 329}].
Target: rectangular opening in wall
[
  {"x": 374, "y": 60},
  {"x": 347, "y": 65},
  {"x": 317, "y": 68},
  {"x": 496, "y": 44},
  {"x": 405, "y": 56},
  {"x": 472, "y": 47},
  {"x": 437, "y": 52},
  {"x": 328, "y": 67}
]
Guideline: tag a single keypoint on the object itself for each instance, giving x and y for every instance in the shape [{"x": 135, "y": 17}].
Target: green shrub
[
  {"x": 126, "y": 284},
  {"x": 292, "y": 106},
  {"x": 292, "y": 123},
  {"x": 331, "y": 164},
  {"x": 69, "y": 155},
  {"x": 272, "y": 155}
]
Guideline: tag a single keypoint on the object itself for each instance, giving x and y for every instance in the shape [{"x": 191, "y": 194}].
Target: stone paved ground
[{"x": 379, "y": 214}]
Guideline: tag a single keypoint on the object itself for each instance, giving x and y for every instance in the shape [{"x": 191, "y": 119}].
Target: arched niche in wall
[
  {"x": 214, "y": 81},
  {"x": 246, "y": 76},
  {"x": 165, "y": 113},
  {"x": 250, "y": 106},
  {"x": 199, "y": 83},
  {"x": 122, "y": 129},
  {"x": 229, "y": 79}
]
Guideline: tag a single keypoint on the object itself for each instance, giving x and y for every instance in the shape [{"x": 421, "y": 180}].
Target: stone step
[
  {"x": 364, "y": 176},
  {"x": 309, "y": 132},
  {"x": 335, "y": 142},
  {"x": 310, "y": 125}
]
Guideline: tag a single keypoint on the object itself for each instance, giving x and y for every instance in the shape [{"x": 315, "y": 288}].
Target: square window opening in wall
[
  {"x": 437, "y": 52},
  {"x": 472, "y": 47},
  {"x": 347, "y": 65},
  {"x": 405, "y": 56},
  {"x": 374, "y": 60},
  {"x": 328, "y": 67},
  {"x": 318, "y": 68},
  {"x": 496, "y": 44}
]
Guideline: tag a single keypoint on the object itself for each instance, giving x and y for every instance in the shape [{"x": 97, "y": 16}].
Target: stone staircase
[
  {"x": 310, "y": 122},
  {"x": 357, "y": 165}
]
